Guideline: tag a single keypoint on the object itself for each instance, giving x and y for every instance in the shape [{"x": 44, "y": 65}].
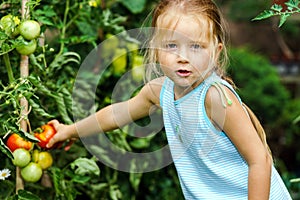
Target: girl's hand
[{"x": 63, "y": 133}]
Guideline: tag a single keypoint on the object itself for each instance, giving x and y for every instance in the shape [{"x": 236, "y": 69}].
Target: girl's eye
[
  {"x": 195, "y": 46},
  {"x": 171, "y": 46}
]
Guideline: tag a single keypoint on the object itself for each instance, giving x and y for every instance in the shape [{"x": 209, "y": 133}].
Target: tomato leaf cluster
[
  {"x": 284, "y": 11},
  {"x": 80, "y": 171}
]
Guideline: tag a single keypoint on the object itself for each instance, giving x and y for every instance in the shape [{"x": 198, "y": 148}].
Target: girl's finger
[
  {"x": 68, "y": 146},
  {"x": 55, "y": 123}
]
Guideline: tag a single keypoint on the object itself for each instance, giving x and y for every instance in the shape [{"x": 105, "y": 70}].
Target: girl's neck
[{"x": 180, "y": 92}]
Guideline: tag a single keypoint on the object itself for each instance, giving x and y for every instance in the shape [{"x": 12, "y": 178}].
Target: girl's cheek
[{"x": 162, "y": 57}]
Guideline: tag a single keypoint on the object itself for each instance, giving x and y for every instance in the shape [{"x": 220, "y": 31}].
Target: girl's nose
[{"x": 182, "y": 56}]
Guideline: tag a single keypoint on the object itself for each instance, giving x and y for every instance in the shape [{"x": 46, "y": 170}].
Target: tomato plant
[
  {"x": 15, "y": 141},
  {"x": 47, "y": 131}
]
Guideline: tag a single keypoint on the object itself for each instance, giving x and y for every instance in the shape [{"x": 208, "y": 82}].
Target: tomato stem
[
  {"x": 63, "y": 31},
  {"x": 8, "y": 68}
]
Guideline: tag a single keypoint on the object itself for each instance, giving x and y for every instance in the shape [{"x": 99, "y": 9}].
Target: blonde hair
[{"x": 201, "y": 9}]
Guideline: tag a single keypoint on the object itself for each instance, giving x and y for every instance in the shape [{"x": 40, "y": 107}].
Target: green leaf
[
  {"x": 297, "y": 120},
  {"x": 83, "y": 166},
  {"x": 295, "y": 180},
  {"x": 81, "y": 179},
  {"x": 38, "y": 109},
  {"x": 63, "y": 59},
  {"x": 98, "y": 151},
  {"x": 34, "y": 62},
  {"x": 276, "y": 7},
  {"x": 26, "y": 195},
  {"x": 57, "y": 176},
  {"x": 62, "y": 109},
  {"x": 99, "y": 186},
  {"x": 265, "y": 14},
  {"x": 283, "y": 18},
  {"x": 67, "y": 98},
  {"x": 292, "y": 3},
  {"x": 135, "y": 6},
  {"x": 36, "y": 81},
  {"x": 140, "y": 143},
  {"x": 5, "y": 149},
  {"x": 27, "y": 136},
  {"x": 134, "y": 178}
]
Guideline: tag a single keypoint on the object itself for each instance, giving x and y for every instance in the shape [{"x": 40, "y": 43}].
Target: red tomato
[
  {"x": 15, "y": 142},
  {"x": 47, "y": 133}
]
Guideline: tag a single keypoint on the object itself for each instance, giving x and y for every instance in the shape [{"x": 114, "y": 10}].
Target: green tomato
[
  {"x": 32, "y": 172},
  {"x": 21, "y": 157},
  {"x": 109, "y": 46},
  {"x": 113, "y": 41},
  {"x": 132, "y": 47},
  {"x": 27, "y": 47},
  {"x": 119, "y": 61},
  {"x": 9, "y": 23},
  {"x": 30, "y": 29},
  {"x": 138, "y": 69}
]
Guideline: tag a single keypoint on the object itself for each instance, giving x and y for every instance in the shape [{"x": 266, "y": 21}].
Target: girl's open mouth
[{"x": 183, "y": 72}]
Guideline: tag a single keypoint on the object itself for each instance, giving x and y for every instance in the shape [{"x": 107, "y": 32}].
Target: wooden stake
[{"x": 24, "y": 72}]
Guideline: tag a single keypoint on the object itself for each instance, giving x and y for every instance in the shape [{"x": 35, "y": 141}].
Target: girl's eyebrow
[
  {"x": 168, "y": 40},
  {"x": 198, "y": 42},
  {"x": 195, "y": 41}
]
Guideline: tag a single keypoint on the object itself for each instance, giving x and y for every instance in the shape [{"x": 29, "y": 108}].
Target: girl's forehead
[{"x": 171, "y": 25}]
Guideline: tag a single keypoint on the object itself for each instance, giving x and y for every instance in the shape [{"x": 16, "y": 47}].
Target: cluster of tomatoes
[
  {"x": 32, "y": 161},
  {"x": 26, "y": 32},
  {"x": 117, "y": 51}
]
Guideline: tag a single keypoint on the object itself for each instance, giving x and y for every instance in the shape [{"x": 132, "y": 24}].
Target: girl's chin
[
  {"x": 187, "y": 82},
  {"x": 185, "y": 86}
]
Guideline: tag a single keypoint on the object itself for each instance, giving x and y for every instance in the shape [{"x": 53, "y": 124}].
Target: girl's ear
[{"x": 220, "y": 47}]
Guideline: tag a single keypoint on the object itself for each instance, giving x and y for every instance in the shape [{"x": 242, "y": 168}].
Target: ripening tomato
[
  {"x": 15, "y": 142},
  {"x": 47, "y": 132},
  {"x": 43, "y": 158}
]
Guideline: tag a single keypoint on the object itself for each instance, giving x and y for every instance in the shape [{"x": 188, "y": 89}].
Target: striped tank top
[{"x": 208, "y": 164}]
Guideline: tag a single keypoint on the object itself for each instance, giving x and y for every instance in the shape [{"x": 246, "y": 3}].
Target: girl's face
[{"x": 185, "y": 52}]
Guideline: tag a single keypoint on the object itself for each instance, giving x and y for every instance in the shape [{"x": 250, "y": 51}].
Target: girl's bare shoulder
[{"x": 152, "y": 89}]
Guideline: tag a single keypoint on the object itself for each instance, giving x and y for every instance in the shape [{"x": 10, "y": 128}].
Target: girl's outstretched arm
[
  {"x": 113, "y": 116},
  {"x": 234, "y": 121}
]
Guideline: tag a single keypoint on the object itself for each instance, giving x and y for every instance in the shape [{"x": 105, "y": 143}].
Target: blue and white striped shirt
[{"x": 207, "y": 162}]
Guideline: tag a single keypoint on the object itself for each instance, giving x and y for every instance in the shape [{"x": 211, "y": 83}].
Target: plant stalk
[
  {"x": 64, "y": 27},
  {"x": 8, "y": 68}
]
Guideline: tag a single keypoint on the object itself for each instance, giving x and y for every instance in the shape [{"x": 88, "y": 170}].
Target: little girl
[{"x": 217, "y": 144}]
